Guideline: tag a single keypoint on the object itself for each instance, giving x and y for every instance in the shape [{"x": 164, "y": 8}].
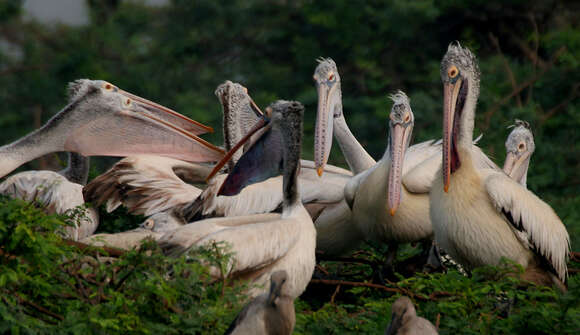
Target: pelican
[
  {"x": 327, "y": 80},
  {"x": 376, "y": 194},
  {"x": 519, "y": 148},
  {"x": 102, "y": 119},
  {"x": 482, "y": 215},
  {"x": 148, "y": 184},
  {"x": 404, "y": 320},
  {"x": 262, "y": 243},
  {"x": 269, "y": 313},
  {"x": 57, "y": 192}
]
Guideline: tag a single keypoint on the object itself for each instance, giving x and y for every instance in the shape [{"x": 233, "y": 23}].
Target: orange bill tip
[{"x": 320, "y": 171}]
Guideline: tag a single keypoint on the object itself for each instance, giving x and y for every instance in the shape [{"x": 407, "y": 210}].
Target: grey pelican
[
  {"x": 519, "y": 148},
  {"x": 481, "y": 215},
  {"x": 267, "y": 314},
  {"x": 404, "y": 320},
  {"x": 102, "y": 119},
  {"x": 262, "y": 243},
  {"x": 330, "y": 120},
  {"x": 57, "y": 192}
]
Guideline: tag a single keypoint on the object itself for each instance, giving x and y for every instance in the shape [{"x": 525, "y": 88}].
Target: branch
[
  {"x": 573, "y": 95},
  {"x": 521, "y": 87},
  {"x": 506, "y": 65},
  {"x": 38, "y": 307}
]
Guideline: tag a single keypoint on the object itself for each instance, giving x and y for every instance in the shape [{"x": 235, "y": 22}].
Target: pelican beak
[
  {"x": 143, "y": 127},
  {"x": 517, "y": 167},
  {"x": 400, "y": 136},
  {"x": 324, "y": 124},
  {"x": 169, "y": 115},
  {"x": 450, "y": 157}
]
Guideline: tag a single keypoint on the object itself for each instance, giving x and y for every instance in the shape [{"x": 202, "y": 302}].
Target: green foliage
[{"x": 47, "y": 286}]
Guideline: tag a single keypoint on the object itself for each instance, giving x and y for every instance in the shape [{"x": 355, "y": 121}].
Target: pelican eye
[
  {"x": 331, "y": 77},
  {"x": 453, "y": 71},
  {"x": 108, "y": 86},
  {"x": 521, "y": 146},
  {"x": 407, "y": 117},
  {"x": 127, "y": 102}
]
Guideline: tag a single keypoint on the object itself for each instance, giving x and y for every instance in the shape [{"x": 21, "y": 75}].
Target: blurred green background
[{"x": 176, "y": 52}]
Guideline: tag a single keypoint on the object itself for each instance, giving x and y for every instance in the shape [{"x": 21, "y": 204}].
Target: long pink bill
[{"x": 323, "y": 129}]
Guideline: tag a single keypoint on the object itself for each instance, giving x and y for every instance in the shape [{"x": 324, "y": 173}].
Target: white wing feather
[{"x": 531, "y": 216}]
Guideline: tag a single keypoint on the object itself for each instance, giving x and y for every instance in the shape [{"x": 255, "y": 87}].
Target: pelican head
[
  {"x": 519, "y": 148},
  {"x": 327, "y": 82},
  {"x": 401, "y": 310},
  {"x": 240, "y": 114},
  {"x": 277, "y": 281},
  {"x": 401, "y": 120},
  {"x": 460, "y": 77},
  {"x": 161, "y": 222}
]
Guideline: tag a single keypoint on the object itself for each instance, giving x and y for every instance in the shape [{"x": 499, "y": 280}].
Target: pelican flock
[{"x": 272, "y": 209}]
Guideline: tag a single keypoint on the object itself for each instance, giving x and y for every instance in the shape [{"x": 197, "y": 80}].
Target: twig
[
  {"x": 39, "y": 308},
  {"x": 327, "y": 258},
  {"x": 573, "y": 95},
  {"x": 437, "y": 321},
  {"x": 334, "y": 294},
  {"x": 506, "y": 65},
  {"x": 322, "y": 269}
]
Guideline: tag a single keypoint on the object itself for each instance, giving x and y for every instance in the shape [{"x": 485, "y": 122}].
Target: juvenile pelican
[
  {"x": 382, "y": 207},
  {"x": 263, "y": 243},
  {"x": 519, "y": 148},
  {"x": 57, "y": 192},
  {"x": 404, "y": 320},
  {"x": 478, "y": 215},
  {"x": 268, "y": 314}
]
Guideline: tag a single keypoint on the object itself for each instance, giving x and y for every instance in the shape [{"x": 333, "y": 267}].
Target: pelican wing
[
  {"x": 146, "y": 184},
  {"x": 274, "y": 238},
  {"x": 534, "y": 221}
]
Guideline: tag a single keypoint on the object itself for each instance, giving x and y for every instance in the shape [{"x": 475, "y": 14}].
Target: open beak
[
  {"x": 324, "y": 123},
  {"x": 398, "y": 146},
  {"x": 517, "y": 167},
  {"x": 148, "y": 129},
  {"x": 169, "y": 115},
  {"x": 450, "y": 94}
]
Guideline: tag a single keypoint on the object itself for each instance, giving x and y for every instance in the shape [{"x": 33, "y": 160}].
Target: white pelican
[
  {"x": 519, "y": 148},
  {"x": 263, "y": 243},
  {"x": 268, "y": 314},
  {"x": 479, "y": 215},
  {"x": 404, "y": 320},
  {"x": 57, "y": 192}
]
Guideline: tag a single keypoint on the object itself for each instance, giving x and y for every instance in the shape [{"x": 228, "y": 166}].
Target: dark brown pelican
[
  {"x": 267, "y": 314},
  {"x": 262, "y": 243},
  {"x": 478, "y": 215}
]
